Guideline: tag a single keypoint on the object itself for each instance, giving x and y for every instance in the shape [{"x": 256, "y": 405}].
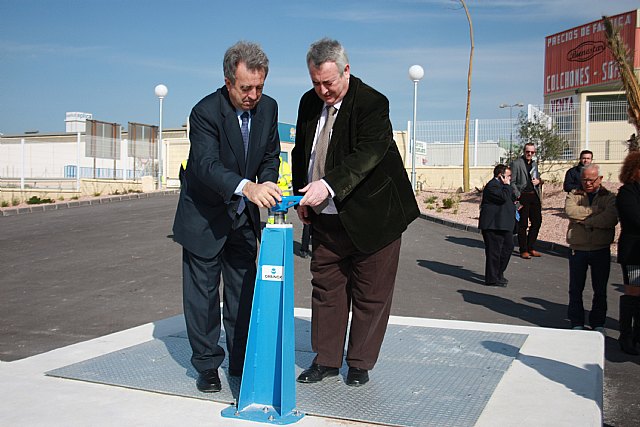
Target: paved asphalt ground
[{"x": 74, "y": 274}]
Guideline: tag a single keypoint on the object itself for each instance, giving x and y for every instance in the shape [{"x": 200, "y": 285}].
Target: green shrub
[
  {"x": 5, "y": 204},
  {"x": 448, "y": 203},
  {"x": 431, "y": 200},
  {"x": 35, "y": 200},
  {"x": 15, "y": 201}
]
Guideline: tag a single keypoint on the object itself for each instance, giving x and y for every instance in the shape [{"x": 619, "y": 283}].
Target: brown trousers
[{"x": 344, "y": 278}]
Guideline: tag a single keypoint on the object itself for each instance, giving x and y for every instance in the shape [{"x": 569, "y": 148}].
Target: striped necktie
[
  {"x": 245, "y": 132},
  {"x": 322, "y": 145}
]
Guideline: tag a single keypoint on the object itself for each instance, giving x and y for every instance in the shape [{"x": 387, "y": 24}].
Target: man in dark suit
[
  {"x": 359, "y": 200},
  {"x": 497, "y": 222},
  {"x": 234, "y": 143}
]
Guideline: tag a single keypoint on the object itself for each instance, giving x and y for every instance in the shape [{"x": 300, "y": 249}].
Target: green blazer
[{"x": 373, "y": 193}]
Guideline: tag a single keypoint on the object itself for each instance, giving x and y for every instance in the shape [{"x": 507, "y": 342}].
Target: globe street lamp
[
  {"x": 161, "y": 92},
  {"x": 416, "y": 73},
  {"x": 510, "y": 107}
]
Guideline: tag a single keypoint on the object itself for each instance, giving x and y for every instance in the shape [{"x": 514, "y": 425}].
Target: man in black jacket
[
  {"x": 358, "y": 197},
  {"x": 573, "y": 179},
  {"x": 497, "y": 222}
]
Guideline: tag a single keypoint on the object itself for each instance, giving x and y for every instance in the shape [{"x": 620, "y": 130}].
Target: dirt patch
[{"x": 464, "y": 208}]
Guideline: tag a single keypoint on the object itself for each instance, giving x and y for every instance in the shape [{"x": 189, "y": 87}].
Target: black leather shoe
[
  {"x": 503, "y": 281},
  {"x": 357, "y": 377},
  {"x": 208, "y": 381},
  {"x": 498, "y": 284},
  {"x": 316, "y": 373}
]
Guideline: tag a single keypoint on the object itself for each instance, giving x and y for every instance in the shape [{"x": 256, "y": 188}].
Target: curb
[
  {"x": 78, "y": 203},
  {"x": 554, "y": 248}
]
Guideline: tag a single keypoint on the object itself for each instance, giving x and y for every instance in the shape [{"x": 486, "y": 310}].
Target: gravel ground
[{"x": 465, "y": 209}]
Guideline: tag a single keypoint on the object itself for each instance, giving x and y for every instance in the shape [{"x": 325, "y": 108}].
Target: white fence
[
  {"x": 57, "y": 158},
  {"x": 602, "y": 128}
]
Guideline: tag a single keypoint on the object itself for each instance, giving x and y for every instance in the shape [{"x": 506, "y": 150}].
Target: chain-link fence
[
  {"x": 33, "y": 160},
  {"x": 601, "y": 128},
  {"x": 441, "y": 143}
]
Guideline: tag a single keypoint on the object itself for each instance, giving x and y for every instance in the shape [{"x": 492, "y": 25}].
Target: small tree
[{"x": 549, "y": 144}]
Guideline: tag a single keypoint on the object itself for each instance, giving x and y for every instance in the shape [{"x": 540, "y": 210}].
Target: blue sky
[{"x": 106, "y": 57}]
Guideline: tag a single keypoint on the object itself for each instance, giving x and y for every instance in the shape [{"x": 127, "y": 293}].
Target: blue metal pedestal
[{"x": 268, "y": 388}]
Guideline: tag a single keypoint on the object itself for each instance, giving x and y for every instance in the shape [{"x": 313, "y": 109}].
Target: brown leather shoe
[
  {"x": 525, "y": 255},
  {"x": 535, "y": 253}
]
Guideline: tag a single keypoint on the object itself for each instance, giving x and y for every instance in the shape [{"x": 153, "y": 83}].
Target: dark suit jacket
[
  {"x": 373, "y": 193},
  {"x": 207, "y": 205},
  {"x": 573, "y": 179},
  {"x": 628, "y": 205},
  {"x": 497, "y": 209}
]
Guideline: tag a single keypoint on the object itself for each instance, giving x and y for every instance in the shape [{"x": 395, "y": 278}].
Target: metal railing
[
  {"x": 57, "y": 157},
  {"x": 601, "y": 128}
]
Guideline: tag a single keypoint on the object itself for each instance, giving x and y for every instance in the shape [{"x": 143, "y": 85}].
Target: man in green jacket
[
  {"x": 592, "y": 220},
  {"x": 358, "y": 197}
]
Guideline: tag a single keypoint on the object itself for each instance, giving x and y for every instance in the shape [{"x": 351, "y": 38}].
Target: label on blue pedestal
[{"x": 274, "y": 273}]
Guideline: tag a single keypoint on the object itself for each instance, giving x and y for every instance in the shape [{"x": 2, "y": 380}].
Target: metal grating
[{"x": 424, "y": 377}]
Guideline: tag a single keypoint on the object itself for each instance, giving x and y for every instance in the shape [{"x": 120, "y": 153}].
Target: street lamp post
[
  {"x": 416, "y": 73},
  {"x": 510, "y": 107},
  {"x": 161, "y": 92}
]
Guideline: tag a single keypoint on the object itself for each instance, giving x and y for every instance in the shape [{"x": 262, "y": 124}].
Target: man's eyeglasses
[
  {"x": 590, "y": 181},
  {"x": 530, "y": 152}
]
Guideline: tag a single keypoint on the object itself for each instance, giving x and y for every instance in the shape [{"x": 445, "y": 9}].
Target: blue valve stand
[{"x": 268, "y": 388}]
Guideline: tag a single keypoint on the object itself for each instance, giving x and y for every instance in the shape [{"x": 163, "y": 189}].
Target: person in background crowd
[
  {"x": 526, "y": 182},
  {"x": 592, "y": 221},
  {"x": 305, "y": 241},
  {"x": 497, "y": 222},
  {"x": 628, "y": 204},
  {"x": 572, "y": 179},
  {"x": 284, "y": 177},
  {"x": 232, "y": 171}
]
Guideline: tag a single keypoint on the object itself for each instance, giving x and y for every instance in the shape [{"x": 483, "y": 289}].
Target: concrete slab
[{"x": 556, "y": 379}]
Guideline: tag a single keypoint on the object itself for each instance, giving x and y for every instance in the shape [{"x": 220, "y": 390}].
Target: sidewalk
[{"x": 555, "y": 379}]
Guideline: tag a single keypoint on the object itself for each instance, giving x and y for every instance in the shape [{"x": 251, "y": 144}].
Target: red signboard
[{"x": 579, "y": 57}]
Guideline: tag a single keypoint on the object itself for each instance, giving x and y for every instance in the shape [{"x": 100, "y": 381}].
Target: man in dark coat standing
[
  {"x": 231, "y": 172},
  {"x": 358, "y": 197},
  {"x": 573, "y": 177},
  {"x": 497, "y": 222}
]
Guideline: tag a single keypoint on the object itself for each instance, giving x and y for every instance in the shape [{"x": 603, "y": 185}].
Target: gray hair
[
  {"x": 250, "y": 53},
  {"x": 327, "y": 50},
  {"x": 589, "y": 167}
]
